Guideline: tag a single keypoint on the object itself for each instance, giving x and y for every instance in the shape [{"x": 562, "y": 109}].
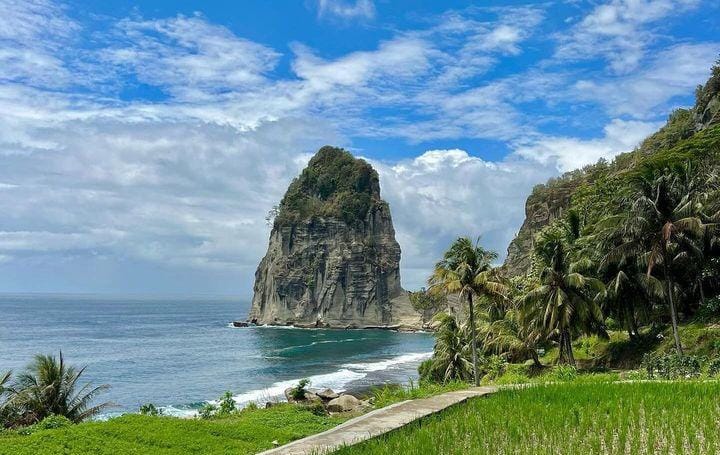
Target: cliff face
[
  {"x": 332, "y": 259},
  {"x": 543, "y": 206},
  {"x": 550, "y": 201}
]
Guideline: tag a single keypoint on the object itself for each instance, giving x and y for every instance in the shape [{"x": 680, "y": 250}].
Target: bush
[
  {"x": 298, "y": 392},
  {"x": 672, "y": 366},
  {"x": 564, "y": 373},
  {"x": 48, "y": 423},
  {"x": 714, "y": 367},
  {"x": 316, "y": 407},
  {"x": 149, "y": 409},
  {"x": 709, "y": 310},
  {"x": 207, "y": 411},
  {"x": 227, "y": 405},
  {"x": 494, "y": 367}
]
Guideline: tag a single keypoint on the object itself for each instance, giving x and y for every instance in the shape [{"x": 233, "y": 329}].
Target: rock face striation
[{"x": 332, "y": 259}]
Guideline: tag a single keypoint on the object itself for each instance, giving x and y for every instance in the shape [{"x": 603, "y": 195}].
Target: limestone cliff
[{"x": 332, "y": 259}]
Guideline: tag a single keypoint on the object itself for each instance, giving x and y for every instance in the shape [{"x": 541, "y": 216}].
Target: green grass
[
  {"x": 390, "y": 394},
  {"x": 572, "y": 418},
  {"x": 247, "y": 432}
]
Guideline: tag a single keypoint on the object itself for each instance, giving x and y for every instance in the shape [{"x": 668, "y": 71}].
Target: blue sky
[{"x": 143, "y": 143}]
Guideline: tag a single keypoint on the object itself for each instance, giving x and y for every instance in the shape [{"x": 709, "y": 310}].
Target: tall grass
[{"x": 620, "y": 418}]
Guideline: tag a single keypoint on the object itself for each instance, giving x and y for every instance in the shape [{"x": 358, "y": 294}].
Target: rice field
[{"x": 601, "y": 418}]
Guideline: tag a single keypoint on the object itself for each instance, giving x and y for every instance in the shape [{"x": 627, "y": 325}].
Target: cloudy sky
[{"x": 143, "y": 143}]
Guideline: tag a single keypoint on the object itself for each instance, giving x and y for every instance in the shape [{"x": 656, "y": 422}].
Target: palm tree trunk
[
  {"x": 566, "y": 354},
  {"x": 473, "y": 341},
  {"x": 673, "y": 314}
]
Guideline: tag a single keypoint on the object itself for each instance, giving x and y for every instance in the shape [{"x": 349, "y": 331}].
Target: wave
[
  {"x": 288, "y": 348},
  {"x": 337, "y": 381},
  {"x": 389, "y": 363}
]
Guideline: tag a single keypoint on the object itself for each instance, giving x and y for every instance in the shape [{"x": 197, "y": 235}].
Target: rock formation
[{"x": 332, "y": 259}]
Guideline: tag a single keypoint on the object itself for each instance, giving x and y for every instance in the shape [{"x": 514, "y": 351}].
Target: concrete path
[{"x": 377, "y": 422}]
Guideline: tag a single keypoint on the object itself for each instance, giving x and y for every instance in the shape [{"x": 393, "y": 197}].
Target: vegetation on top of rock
[{"x": 334, "y": 184}]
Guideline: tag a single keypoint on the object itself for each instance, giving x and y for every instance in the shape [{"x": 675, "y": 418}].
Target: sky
[{"x": 143, "y": 143}]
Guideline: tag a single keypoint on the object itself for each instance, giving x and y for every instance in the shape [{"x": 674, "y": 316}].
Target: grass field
[
  {"x": 619, "y": 418},
  {"x": 245, "y": 433}
]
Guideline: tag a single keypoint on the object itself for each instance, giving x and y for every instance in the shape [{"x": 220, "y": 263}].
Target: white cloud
[
  {"x": 190, "y": 57},
  {"x": 443, "y": 194},
  {"x": 569, "y": 153},
  {"x": 675, "y": 71},
  {"x": 32, "y": 35},
  {"x": 619, "y": 31},
  {"x": 362, "y": 9}
]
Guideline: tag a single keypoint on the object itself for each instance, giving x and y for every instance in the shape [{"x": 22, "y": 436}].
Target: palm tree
[
  {"x": 513, "y": 336},
  {"x": 48, "y": 386},
  {"x": 466, "y": 270},
  {"x": 564, "y": 299},
  {"x": 450, "y": 355},
  {"x": 662, "y": 226}
]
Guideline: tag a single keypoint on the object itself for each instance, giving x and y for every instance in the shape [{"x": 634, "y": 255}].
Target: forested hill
[{"x": 689, "y": 137}]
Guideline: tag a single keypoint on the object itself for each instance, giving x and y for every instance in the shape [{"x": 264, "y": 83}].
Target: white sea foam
[
  {"x": 318, "y": 342},
  {"x": 389, "y": 363},
  {"x": 337, "y": 381}
]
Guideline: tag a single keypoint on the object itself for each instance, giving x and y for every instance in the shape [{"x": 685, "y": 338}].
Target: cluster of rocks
[{"x": 332, "y": 401}]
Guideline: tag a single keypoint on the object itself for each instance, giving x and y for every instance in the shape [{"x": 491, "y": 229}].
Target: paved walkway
[{"x": 377, "y": 422}]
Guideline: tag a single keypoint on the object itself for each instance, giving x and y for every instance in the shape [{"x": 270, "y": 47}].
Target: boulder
[
  {"x": 309, "y": 396},
  {"x": 327, "y": 395},
  {"x": 344, "y": 403}
]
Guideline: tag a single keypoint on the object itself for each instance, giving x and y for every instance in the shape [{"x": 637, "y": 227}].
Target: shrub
[
  {"x": 564, "y": 373},
  {"x": 227, "y": 405},
  {"x": 150, "y": 409},
  {"x": 494, "y": 367},
  {"x": 316, "y": 407},
  {"x": 298, "y": 392},
  {"x": 710, "y": 309},
  {"x": 48, "y": 423},
  {"x": 207, "y": 411},
  {"x": 672, "y": 366},
  {"x": 252, "y": 406},
  {"x": 714, "y": 367}
]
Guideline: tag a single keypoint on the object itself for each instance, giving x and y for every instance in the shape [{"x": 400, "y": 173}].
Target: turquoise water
[{"x": 180, "y": 353}]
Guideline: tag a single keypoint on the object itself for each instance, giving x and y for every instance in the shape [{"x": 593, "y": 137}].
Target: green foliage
[
  {"x": 714, "y": 368},
  {"x": 672, "y": 366},
  {"x": 150, "y": 409},
  {"x": 394, "y": 393},
  {"x": 208, "y": 411},
  {"x": 424, "y": 301},
  {"x": 494, "y": 366},
  {"x": 334, "y": 184},
  {"x": 50, "y": 422},
  {"x": 245, "y": 432},
  {"x": 564, "y": 373},
  {"x": 298, "y": 392},
  {"x": 569, "y": 418},
  {"x": 48, "y": 386},
  {"x": 227, "y": 405}
]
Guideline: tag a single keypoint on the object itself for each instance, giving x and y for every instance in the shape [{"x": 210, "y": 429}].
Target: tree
[
  {"x": 49, "y": 386},
  {"x": 662, "y": 226},
  {"x": 466, "y": 270},
  {"x": 450, "y": 360},
  {"x": 564, "y": 299}
]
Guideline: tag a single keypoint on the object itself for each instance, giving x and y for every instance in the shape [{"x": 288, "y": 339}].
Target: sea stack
[{"x": 332, "y": 259}]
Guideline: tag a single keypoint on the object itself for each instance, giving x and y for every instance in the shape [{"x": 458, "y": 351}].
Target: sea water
[{"x": 179, "y": 353}]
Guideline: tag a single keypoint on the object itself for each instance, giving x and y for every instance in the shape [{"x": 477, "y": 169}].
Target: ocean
[{"x": 179, "y": 353}]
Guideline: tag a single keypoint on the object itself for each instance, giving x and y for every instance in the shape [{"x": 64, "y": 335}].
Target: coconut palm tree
[
  {"x": 564, "y": 299},
  {"x": 466, "y": 270},
  {"x": 663, "y": 225},
  {"x": 513, "y": 336},
  {"x": 49, "y": 386},
  {"x": 450, "y": 359}
]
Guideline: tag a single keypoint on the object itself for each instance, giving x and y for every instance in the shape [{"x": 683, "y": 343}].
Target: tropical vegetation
[
  {"x": 635, "y": 248},
  {"x": 48, "y": 387}
]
